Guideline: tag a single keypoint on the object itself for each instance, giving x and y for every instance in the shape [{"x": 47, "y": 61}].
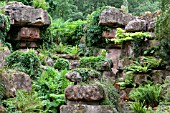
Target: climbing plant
[{"x": 4, "y": 26}]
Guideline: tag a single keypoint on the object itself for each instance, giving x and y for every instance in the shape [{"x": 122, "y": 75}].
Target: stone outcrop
[
  {"x": 26, "y": 24},
  {"x": 22, "y": 15},
  {"x": 114, "y": 17},
  {"x": 84, "y": 93},
  {"x": 14, "y": 81},
  {"x": 136, "y": 25}
]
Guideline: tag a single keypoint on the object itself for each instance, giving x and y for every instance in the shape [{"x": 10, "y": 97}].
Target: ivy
[
  {"x": 94, "y": 30},
  {"x": 4, "y": 26}
]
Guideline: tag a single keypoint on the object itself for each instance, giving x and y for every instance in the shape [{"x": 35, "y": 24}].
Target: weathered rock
[
  {"x": 73, "y": 64},
  {"x": 158, "y": 76},
  {"x": 151, "y": 26},
  {"x": 74, "y": 77},
  {"x": 109, "y": 34},
  {"x": 84, "y": 93},
  {"x": 128, "y": 49},
  {"x": 136, "y": 25},
  {"x": 167, "y": 78},
  {"x": 2, "y": 22},
  {"x": 28, "y": 44},
  {"x": 126, "y": 61},
  {"x": 4, "y": 51},
  {"x": 2, "y": 109},
  {"x": 109, "y": 75},
  {"x": 66, "y": 56},
  {"x": 29, "y": 33},
  {"x": 14, "y": 81},
  {"x": 114, "y": 55},
  {"x": 140, "y": 79},
  {"x": 114, "y": 17},
  {"x": 87, "y": 109},
  {"x": 22, "y": 15}
]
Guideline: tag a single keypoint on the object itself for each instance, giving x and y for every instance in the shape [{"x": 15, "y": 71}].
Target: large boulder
[
  {"x": 114, "y": 17},
  {"x": 84, "y": 93},
  {"x": 13, "y": 81},
  {"x": 136, "y": 25},
  {"x": 21, "y": 15}
]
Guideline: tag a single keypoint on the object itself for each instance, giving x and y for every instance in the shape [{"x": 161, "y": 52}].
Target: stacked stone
[
  {"x": 26, "y": 23},
  {"x": 86, "y": 98}
]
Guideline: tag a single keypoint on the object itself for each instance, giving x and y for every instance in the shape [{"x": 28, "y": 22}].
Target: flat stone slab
[
  {"x": 87, "y": 109},
  {"x": 21, "y": 15}
]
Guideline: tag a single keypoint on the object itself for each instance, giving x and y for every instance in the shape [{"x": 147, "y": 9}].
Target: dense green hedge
[
  {"x": 61, "y": 64},
  {"x": 27, "y": 62}
]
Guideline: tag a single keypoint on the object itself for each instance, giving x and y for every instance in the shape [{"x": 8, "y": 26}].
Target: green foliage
[
  {"x": 138, "y": 7},
  {"x": 144, "y": 64},
  {"x": 95, "y": 62},
  {"x": 26, "y": 2},
  {"x": 40, "y": 4},
  {"x": 111, "y": 95},
  {"x": 62, "y": 64},
  {"x": 74, "y": 52},
  {"x": 1, "y": 88},
  {"x": 150, "y": 95},
  {"x": 50, "y": 87},
  {"x": 162, "y": 31},
  {"x": 167, "y": 96},
  {"x": 6, "y": 21},
  {"x": 27, "y": 62},
  {"x": 87, "y": 73},
  {"x": 94, "y": 30},
  {"x": 121, "y": 36},
  {"x": 68, "y": 32},
  {"x": 138, "y": 107},
  {"x": 75, "y": 9},
  {"x": 24, "y": 103}
]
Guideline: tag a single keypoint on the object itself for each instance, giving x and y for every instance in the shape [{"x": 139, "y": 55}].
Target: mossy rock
[
  {"x": 99, "y": 63},
  {"x": 83, "y": 75}
]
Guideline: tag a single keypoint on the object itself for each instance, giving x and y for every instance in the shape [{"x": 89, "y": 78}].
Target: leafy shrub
[
  {"x": 87, "y": 73},
  {"x": 144, "y": 64},
  {"x": 138, "y": 107},
  {"x": 27, "y": 62},
  {"x": 150, "y": 95},
  {"x": 94, "y": 30},
  {"x": 111, "y": 95},
  {"x": 74, "y": 52},
  {"x": 24, "y": 102},
  {"x": 50, "y": 87},
  {"x": 61, "y": 64},
  {"x": 3, "y": 32},
  {"x": 122, "y": 36},
  {"x": 40, "y": 4},
  {"x": 68, "y": 32},
  {"x": 95, "y": 63}
]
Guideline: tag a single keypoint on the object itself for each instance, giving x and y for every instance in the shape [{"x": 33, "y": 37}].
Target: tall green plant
[
  {"x": 24, "y": 103},
  {"x": 50, "y": 87},
  {"x": 150, "y": 95}
]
